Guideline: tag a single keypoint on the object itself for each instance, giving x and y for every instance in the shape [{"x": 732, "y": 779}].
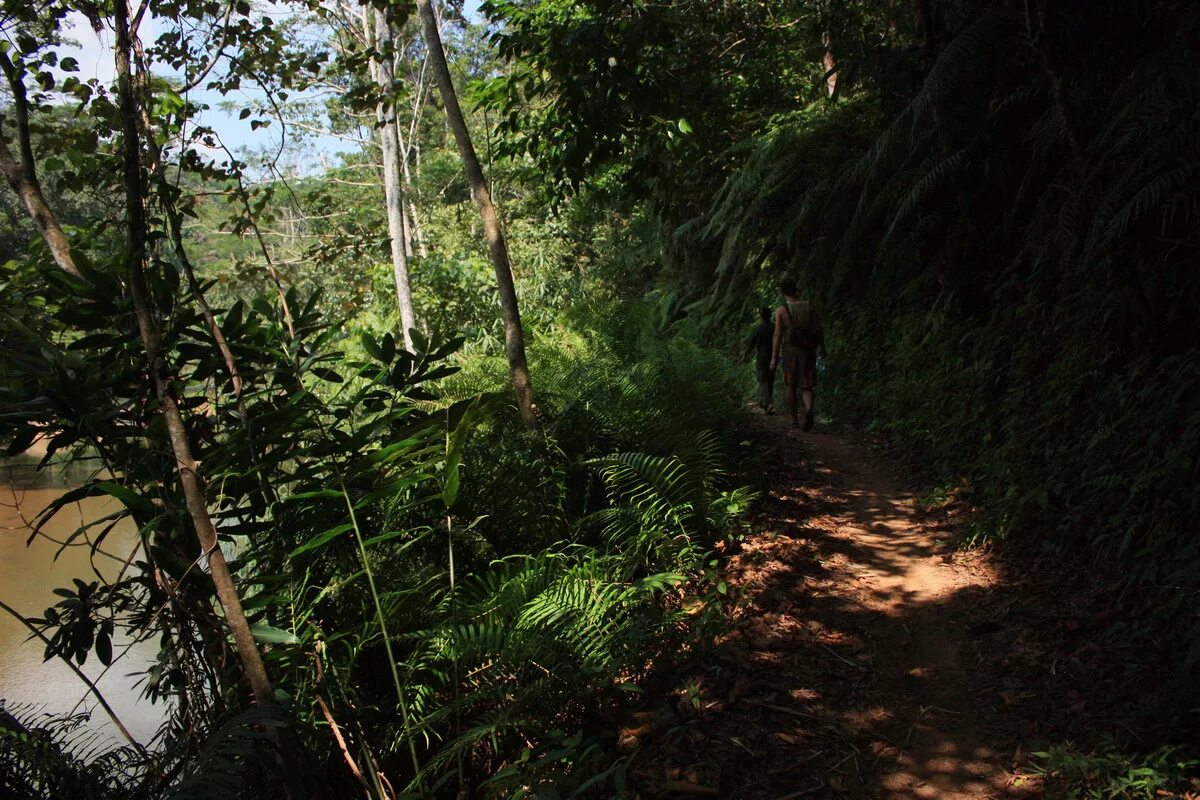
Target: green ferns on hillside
[{"x": 1008, "y": 272}]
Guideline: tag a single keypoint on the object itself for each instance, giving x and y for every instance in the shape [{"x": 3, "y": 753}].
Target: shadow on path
[{"x": 852, "y": 668}]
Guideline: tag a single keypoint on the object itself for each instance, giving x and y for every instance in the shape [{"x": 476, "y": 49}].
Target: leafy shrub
[
  {"x": 1109, "y": 774},
  {"x": 1004, "y": 267}
]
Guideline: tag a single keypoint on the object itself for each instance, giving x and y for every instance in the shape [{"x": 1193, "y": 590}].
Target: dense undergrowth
[
  {"x": 1006, "y": 267},
  {"x": 469, "y": 604}
]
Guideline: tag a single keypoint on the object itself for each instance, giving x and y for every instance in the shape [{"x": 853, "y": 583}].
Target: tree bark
[
  {"x": 389, "y": 141},
  {"x": 415, "y": 228},
  {"x": 411, "y": 151},
  {"x": 160, "y": 371},
  {"x": 923, "y": 19},
  {"x": 22, "y": 175},
  {"x": 514, "y": 336},
  {"x": 830, "y": 64},
  {"x": 175, "y": 227}
]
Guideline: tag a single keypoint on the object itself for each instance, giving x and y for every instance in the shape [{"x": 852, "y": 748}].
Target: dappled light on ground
[{"x": 854, "y": 664}]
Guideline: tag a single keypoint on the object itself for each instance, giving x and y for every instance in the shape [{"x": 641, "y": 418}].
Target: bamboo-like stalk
[{"x": 401, "y": 699}]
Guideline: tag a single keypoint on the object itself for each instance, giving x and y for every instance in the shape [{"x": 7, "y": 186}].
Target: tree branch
[{"x": 22, "y": 176}]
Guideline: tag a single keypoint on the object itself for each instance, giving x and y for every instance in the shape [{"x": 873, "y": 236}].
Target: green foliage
[
  {"x": 335, "y": 494},
  {"x": 996, "y": 215},
  {"x": 662, "y": 89},
  {"x": 243, "y": 758},
  {"x": 1003, "y": 265},
  {"x": 1109, "y": 774},
  {"x": 559, "y": 636},
  {"x": 52, "y": 758}
]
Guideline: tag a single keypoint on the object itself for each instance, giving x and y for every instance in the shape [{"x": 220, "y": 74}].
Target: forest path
[
  {"x": 898, "y": 583},
  {"x": 850, "y": 668}
]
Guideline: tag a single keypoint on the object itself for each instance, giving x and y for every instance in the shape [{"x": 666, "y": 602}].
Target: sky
[{"x": 94, "y": 53}]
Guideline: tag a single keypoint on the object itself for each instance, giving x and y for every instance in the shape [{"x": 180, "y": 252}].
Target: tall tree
[
  {"x": 514, "y": 335},
  {"x": 160, "y": 371},
  {"x": 377, "y": 30},
  {"x": 829, "y": 60}
]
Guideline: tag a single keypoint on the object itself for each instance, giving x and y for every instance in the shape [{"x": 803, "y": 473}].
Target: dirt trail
[
  {"x": 852, "y": 668},
  {"x": 932, "y": 741}
]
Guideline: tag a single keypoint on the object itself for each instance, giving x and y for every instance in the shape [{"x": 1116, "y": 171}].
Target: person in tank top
[{"x": 798, "y": 338}]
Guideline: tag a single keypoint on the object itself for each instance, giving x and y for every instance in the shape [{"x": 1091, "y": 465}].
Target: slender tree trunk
[
  {"x": 160, "y": 371},
  {"x": 411, "y": 152},
  {"x": 408, "y": 239},
  {"x": 389, "y": 140},
  {"x": 514, "y": 336},
  {"x": 830, "y": 64},
  {"x": 22, "y": 176},
  {"x": 828, "y": 60},
  {"x": 923, "y": 19},
  {"x": 415, "y": 229},
  {"x": 175, "y": 227}
]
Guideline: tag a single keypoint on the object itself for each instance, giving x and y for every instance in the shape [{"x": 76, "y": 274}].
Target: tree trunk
[
  {"x": 829, "y": 61},
  {"x": 923, "y": 19},
  {"x": 415, "y": 228},
  {"x": 514, "y": 336},
  {"x": 830, "y": 64},
  {"x": 160, "y": 371},
  {"x": 389, "y": 140},
  {"x": 22, "y": 176}
]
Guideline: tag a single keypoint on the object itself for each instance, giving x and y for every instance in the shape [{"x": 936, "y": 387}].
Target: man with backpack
[{"x": 798, "y": 337}]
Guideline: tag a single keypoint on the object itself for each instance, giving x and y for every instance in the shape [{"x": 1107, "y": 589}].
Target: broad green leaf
[
  {"x": 319, "y": 493},
  {"x": 268, "y": 634},
  {"x": 454, "y": 448},
  {"x": 321, "y": 539},
  {"x": 131, "y": 499}
]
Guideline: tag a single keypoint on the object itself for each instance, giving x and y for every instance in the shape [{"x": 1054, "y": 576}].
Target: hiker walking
[
  {"x": 761, "y": 340},
  {"x": 797, "y": 339}
]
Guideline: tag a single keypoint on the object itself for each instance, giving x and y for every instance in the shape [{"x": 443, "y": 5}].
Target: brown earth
[{"x": 867, "y": 657}]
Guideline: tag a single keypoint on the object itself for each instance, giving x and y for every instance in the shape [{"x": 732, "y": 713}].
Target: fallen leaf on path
[
  {"x": 687, "y": 787},
  {"x": 739, "y": 687},
  {"x": 920, "y": 672}
]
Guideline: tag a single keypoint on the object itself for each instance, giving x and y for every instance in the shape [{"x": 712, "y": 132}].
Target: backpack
[{"x": 798, "y": 336}]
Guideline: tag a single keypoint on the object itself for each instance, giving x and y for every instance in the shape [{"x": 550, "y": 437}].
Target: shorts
[
  {"x": 764, "y": 371},
  {"x": 800, "y": 368}
]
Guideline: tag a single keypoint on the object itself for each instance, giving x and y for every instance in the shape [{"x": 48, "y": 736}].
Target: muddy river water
[{"x": 28, "y": 576}]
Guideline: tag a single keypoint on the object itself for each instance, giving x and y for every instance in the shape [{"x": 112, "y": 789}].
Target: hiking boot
[{"x": 808, "y": 420}]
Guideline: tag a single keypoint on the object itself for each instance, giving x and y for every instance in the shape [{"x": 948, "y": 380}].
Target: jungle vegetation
[{"x": 427, "y": 443}]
